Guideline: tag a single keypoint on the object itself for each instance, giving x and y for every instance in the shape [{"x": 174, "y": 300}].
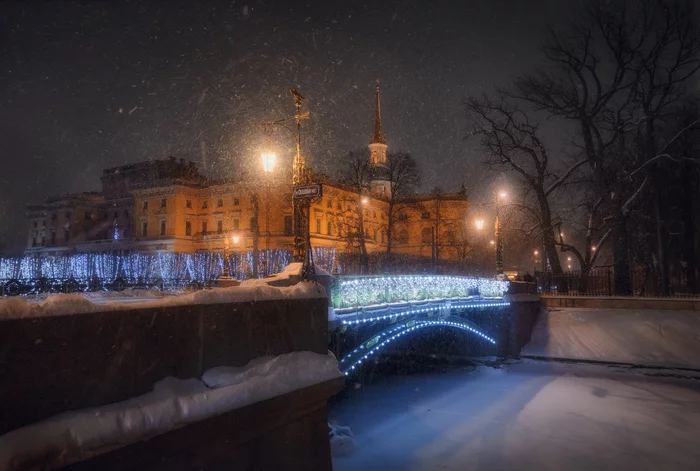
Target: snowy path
[
  {"x": 526, "y": 416},
  {"x": 644, "y": 337}
]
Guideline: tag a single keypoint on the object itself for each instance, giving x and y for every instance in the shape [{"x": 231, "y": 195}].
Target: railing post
[{"x": 609, "y": 276}]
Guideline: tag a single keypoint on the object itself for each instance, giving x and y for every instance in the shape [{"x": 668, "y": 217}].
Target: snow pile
[
  {"x": 644, "y": 337},
  {"x": 342, "y": 442},
  {"x": 78, "y": 435},
  {"x": 66, "y": 304}
]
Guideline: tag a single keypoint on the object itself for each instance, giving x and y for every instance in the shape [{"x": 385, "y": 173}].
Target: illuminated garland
[
  {"x": 355, "y": 358},
  {"x": 374, "y": 290}
]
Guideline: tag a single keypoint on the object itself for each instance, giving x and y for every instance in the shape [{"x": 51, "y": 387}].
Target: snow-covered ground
[
  {"x": 640, "y": 337},
  {"x": 525, "y": 416},
  {"x": 173, "y": 403}
]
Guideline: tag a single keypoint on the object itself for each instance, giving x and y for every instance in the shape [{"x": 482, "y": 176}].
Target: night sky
[{"x": 85, "y": 86}]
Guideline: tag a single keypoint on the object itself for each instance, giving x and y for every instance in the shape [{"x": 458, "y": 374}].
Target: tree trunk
[
  {"x": 688, "y": 215},
  {"x": 661, "y": 245},
  {"x": 256, "y": 234},
  {"x": 389, "y": 227},
  {"x": 622, "y": 278},
  {"x": 550, "y": 246}
]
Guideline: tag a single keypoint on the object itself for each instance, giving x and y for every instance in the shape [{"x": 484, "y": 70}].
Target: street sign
[{"x": 308, "y": 192}]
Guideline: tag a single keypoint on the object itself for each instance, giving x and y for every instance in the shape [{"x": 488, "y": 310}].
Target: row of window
[
  {"x": 219, "y": 227},
  {"x": 188, "y": 203}
]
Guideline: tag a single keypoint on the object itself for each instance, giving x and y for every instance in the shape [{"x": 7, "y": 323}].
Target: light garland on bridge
[
  {"x": 374, "y": 290},
  {"x": 419, "y": 311},
  {"x": 398, "y": 332}
]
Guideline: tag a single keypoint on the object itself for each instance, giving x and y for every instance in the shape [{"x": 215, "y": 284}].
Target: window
[
  {"x": 219, "y": 203},
  {"x": 288, "y": 225},
  {"x": 68, "y": 214},
  {"x": 188, "y": 204},
  {"x": 329, "y": 228},
  {"x": 374, "y": 214},
  {"x": 329, "y": 204},
  {"x": 425, "y": 215},
  {"x": 35, "y": 224},
  {"x": 145, "y": 205},
  {"x": 403, "y": 236},
  {"x": 450, "y": 236},
  {"x": 53, "y": 237},
  {"x": 162, "y": 228},
  {"x": 188, "y": 228},
  {"x": 236, "y": 201},
  {"x": 144, "y": 229},
  {"x": 318, "y": 226},
  {"x": 66, "y": 235},
  {"x": 219, "y": 226},
  {"x": 340, "y": 206},
  {"x": 88, "y": 216},
  {"x": 253, "y": 224},
  {"x": 383, "y": 236},
  {"x": 53, "y": 217},
  {"x": 116, "y": 215},
  {"x": 403, "y": 217},
  {"x": 126, "y": 213},
  {"x": 204, "y": 227},
  {"x": 163, "y": 203},
  {"x": 205, "y": 204},
  {"x": 236, "y": 224},
  {"x": 34, "y": 240},
  {"x": 426, "y": 235}
]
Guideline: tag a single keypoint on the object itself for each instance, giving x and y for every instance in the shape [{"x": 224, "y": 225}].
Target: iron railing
[{"x": 600, "y": 281}]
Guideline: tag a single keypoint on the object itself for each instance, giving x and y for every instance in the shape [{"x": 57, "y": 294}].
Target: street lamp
[
  {"x": 479, "y": 223},
  {"x": 269, "y": 160},
  {"x": 235, "y": 239},
  {"x": 502, "y": 195}
]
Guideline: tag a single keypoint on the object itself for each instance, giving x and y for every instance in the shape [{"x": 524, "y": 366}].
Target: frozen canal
[{"x": 527, "y": 415}]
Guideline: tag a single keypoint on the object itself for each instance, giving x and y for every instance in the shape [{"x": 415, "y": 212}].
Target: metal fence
[{"x": 600, "y": 281}]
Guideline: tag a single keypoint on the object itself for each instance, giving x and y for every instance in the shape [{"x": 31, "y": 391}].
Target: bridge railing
[{"x": 350, "y": 291}]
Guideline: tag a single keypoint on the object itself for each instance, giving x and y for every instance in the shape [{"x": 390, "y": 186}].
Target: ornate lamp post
[
  {"x": 300, "y": 208},
  {"x": 479, "y": 223},
  {"x": 269, "y": 160}
]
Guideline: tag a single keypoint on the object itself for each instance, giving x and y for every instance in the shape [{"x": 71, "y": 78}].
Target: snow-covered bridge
[{"x": 371, "y": 313}]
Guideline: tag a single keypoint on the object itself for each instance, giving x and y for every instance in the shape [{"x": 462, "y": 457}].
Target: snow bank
[
  {"x": 638, "y": 337},
  {"x": 173, "y": 403},
  {"x": 66, "y": 304},
  {"x": 341, "y": 438}
]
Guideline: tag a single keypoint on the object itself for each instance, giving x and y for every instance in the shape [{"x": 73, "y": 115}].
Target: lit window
[
  {"x": 188, "y": 228},
  {"x": 403, "y": 236},
  {"x": 425, "y": 215},
  {"x": 329, "y": 204},
  {"x": 427, "y": 235},
  {"x": 318, "y": 226},
  {"x": 219, "y": 226},
  {"x": 236, "y": 201},
  {"x": 236, "y": 224},
  {"x": 163, "y": 203},
  {"x": 144, "y": 229},
  {"x": 329, "y": 228},
  {"x": 188, "y": 204},
  {"x": 219, "y": 203},
  {"x": 205, "y": 204},
  {"x": 162, "y": 228},
  {"x": 204, "y": 227},
  {"x": 145, "y": 205}
]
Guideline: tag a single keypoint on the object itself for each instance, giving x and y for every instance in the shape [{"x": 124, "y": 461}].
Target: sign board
[{"x": 308, "y": 191}]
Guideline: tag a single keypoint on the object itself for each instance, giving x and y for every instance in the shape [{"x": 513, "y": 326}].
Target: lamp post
[
  {"x": 479, "y": 223},
  {"x": 235, "y": 239},
  {"x": 300, "y": 208},
  {"x": 269, "y": 160}
]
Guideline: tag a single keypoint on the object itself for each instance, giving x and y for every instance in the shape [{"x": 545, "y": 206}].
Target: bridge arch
[{"x": 353, "y": 360}]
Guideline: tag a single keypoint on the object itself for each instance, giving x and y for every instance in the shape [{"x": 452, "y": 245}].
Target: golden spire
[{"x": 378, "y": 137}]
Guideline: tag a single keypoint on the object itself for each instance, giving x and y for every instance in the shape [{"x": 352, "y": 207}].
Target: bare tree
[
  {"x": 402, "y": 174},
  {"x": 613, "y": 72},
  {"x": 357, "y": 175},
  {"x": 513, "y": 143}
]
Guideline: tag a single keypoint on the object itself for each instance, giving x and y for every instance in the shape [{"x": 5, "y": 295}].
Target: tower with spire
[{"x": 380, "y": 184}]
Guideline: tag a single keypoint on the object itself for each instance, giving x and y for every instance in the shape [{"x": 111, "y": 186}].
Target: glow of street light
[
  {"x": 236, "y": 239},
  {"x": 593, "y": 248},
  {"x": 502, "y": 194},
  {"x": 568, "y": 259},
  {"x": 269, "y": 160},
  {"x": 537, "y": 252},
  {"x": 492, "y": 242},
  {"x": 365, "y": 200},
  {"x": 569, "y": 267},
  {"x": 479, "y": 223}
]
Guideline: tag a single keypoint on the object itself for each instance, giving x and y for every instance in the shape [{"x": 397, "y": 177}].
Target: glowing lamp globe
[
  {"x": 479, "y": 223},
  {"x": 269, "y": 160},
  {"x": 236, "y": 239}
]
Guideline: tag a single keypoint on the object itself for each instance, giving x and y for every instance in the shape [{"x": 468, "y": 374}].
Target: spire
[{"x": 378, "y": 137}]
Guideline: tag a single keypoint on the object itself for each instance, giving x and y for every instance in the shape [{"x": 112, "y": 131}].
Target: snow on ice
[{"x": 173, "y": 403}]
